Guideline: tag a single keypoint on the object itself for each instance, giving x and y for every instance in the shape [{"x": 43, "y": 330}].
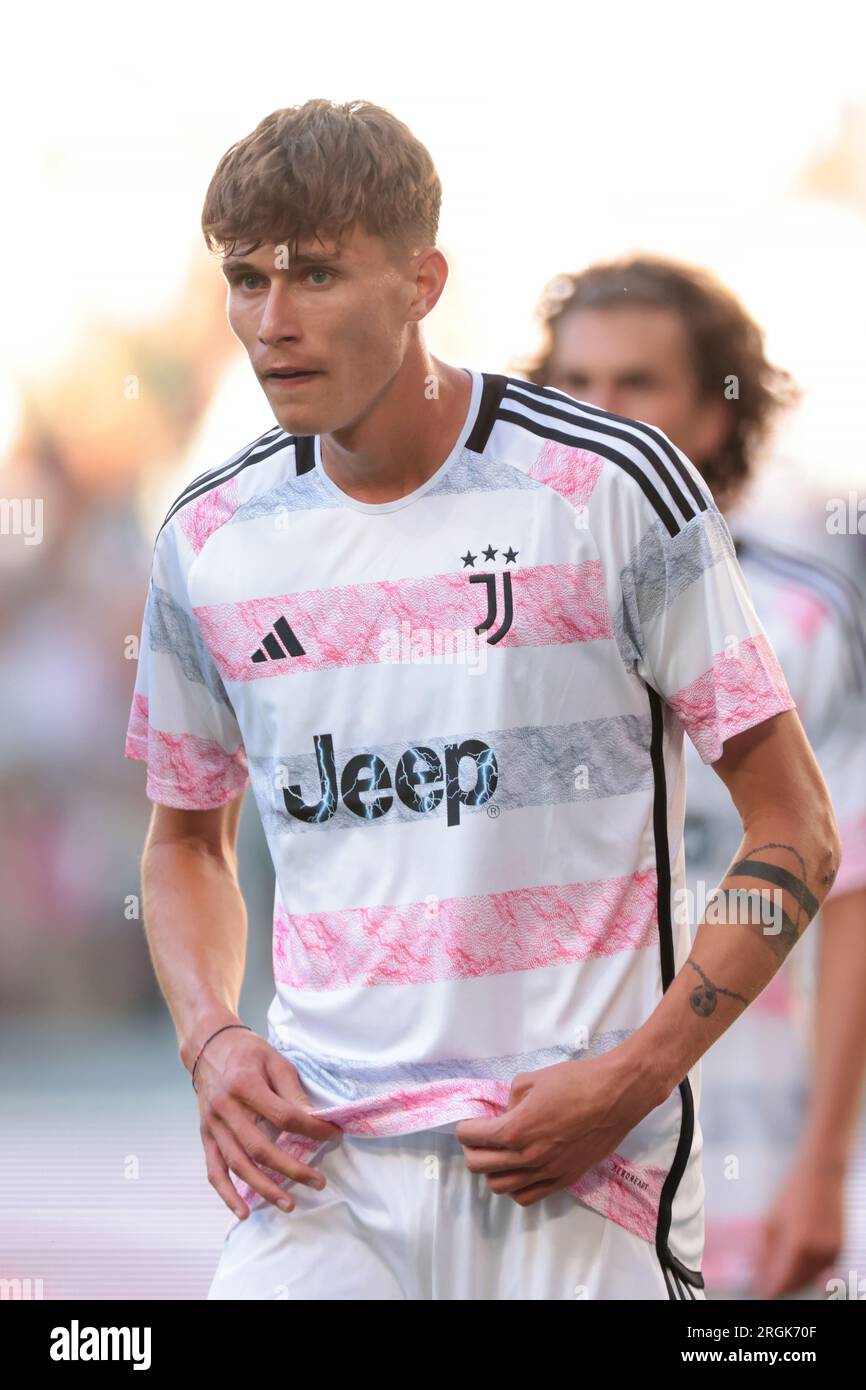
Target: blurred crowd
[{"x": 91, "y": 451}]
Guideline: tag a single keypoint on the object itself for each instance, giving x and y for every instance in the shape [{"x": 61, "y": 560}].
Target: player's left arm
[
  {"x": 784, "y": 868},
  {"x": 804, "y": 1230},
  {"x": 563, "y": 1119},
  {"x": 838, "y": 1021},
  {"x": 838, "y": 1033}
]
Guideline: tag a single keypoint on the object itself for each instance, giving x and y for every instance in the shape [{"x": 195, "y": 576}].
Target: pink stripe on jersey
[
  {"x": 138, "y": 723},
  {"x": 626, "y": 1193},
  {"x": 468, "y": 937},
  {"x": 198, "y": 520},
  {"x": 355, "y": 624},
  {"x": 554, "y": 604},
  {"x": 184, "y": 770},
  {"x": 573, "y": 473},
  {"x": 737, "y": 692}
]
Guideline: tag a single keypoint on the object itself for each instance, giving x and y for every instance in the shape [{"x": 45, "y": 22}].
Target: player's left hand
[
  {"x": 802, "y": 1234},
  {"x": 560, "y": 1121}
]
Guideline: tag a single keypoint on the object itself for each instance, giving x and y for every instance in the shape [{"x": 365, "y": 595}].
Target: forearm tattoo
[
  {"x": 780, "y": 941},
  {"x": 705, "y": 997},
  {"x": 784, "y": 931}
]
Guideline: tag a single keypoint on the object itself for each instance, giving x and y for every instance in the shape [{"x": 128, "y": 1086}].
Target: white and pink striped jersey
[{"x": 462, "y": 715}]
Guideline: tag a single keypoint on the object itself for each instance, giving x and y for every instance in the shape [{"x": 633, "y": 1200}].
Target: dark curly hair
[{"x": 724, "y": 341}]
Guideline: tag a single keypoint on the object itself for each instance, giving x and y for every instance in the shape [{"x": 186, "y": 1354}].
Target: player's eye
[
  {"x": 241, "y": 275},
  {"x": 320, "y": 270}
]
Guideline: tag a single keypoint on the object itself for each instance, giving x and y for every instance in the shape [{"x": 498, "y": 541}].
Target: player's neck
[{"x": 405, "y": 437}]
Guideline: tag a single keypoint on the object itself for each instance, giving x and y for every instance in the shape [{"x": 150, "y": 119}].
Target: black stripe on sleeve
[
  {"x": 493, "y": 386},
  {"x": 604, "y": 451},
  {"x": 224, "y": 468},
  {"x": 654, "y": 447},
  {"x": 305, "y": 456},
  {"x": 248, "y": 459}
]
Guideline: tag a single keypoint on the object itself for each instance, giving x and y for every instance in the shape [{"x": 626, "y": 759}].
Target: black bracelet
[{"x": 207, "y": 1040}]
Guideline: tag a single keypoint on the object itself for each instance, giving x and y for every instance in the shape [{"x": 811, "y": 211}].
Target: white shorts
[{"x": 404, "y": 1218}]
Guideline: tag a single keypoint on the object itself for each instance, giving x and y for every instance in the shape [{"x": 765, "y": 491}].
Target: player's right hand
[{"x": 247, "y": 1091}]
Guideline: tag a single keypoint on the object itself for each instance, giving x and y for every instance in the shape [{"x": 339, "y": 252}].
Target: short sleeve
[
  {"x": 181, "y": 723},
  {"x": 686, "y": 623}
]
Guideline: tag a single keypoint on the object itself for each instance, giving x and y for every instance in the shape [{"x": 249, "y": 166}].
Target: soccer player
[
  {"x": 452, "y": 627},
  {"x": 649, "y": 337}
]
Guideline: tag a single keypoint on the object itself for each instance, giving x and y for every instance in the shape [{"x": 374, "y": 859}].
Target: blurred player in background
[{"x": 665, "y": 343}]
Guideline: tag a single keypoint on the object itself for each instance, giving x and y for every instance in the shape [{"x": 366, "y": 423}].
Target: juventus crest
[{"x": 507, "y": 612}]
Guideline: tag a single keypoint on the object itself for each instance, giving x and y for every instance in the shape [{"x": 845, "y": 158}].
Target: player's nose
[{"x": 279, "y": 320}]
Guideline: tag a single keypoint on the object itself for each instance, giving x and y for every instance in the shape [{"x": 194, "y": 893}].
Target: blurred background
[{"x": 734, "y": 139}]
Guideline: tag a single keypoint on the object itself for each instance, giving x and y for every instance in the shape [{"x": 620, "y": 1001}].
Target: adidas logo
[{"x": 270, "y": 650}]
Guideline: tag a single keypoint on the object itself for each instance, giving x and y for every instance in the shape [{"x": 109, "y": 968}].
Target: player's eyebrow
[{"x": 233, "y": 264}]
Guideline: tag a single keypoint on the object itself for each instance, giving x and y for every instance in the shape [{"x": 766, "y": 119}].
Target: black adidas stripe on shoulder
[
  {"x": 229, "y": 463},
  {"x": 493, "y": 386},
  {"x": 823, "y": 578},
  {"x": 262, "y": 448},
  {"x": 648, "y": 456},
  {"x": 305, "y": 457}
]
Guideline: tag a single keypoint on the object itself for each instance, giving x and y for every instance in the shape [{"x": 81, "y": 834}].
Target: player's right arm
[
  {"x": 183, "y": 725},
  {"x": 196, "y": 927},
  {"x": 189, "y": 876}
]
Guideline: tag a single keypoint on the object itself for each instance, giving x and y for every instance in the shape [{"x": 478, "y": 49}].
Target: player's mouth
[{"x": 288, "y": 380}]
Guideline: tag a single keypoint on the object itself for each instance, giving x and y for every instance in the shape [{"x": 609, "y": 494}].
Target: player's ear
[{"x": 429, "y": 270}]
